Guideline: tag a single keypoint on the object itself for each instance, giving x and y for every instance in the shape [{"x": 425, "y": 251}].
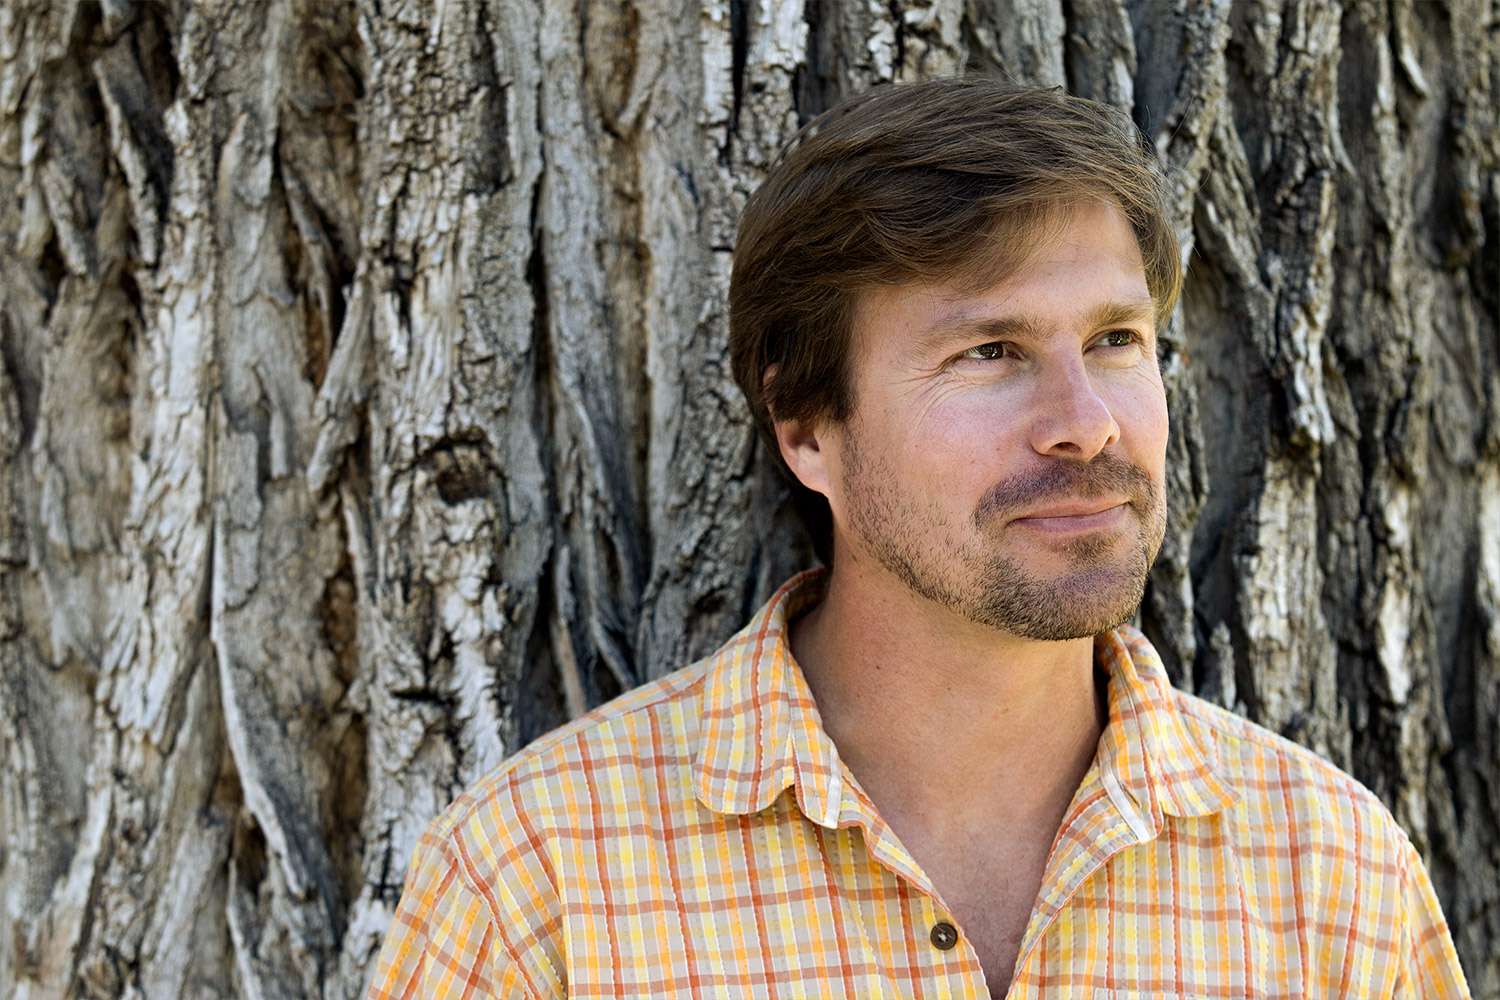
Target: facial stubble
[{"x": 970, "y": 576}]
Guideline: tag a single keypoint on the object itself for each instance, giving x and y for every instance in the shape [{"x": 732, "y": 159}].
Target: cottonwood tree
[{"x": 364, "y": 413}]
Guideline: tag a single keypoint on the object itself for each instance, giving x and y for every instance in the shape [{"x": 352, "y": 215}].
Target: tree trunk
[{"x": 365, "y": 413}]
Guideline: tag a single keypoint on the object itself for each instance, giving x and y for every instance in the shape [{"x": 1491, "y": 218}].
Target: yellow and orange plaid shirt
[{"x": 699, "y": 837}]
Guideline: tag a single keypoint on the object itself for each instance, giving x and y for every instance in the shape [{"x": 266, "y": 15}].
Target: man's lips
[{"x": 1091, "y": 515}]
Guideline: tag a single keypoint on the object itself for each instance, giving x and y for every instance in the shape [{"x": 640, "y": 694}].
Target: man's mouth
[{"x": 1090, "y": 515}]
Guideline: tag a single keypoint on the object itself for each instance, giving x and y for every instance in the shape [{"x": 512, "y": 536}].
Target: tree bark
[{"x": 365, "y": 413}]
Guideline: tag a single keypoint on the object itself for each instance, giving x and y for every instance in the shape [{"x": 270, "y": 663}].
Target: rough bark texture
[{"x": 364, "y": 413}]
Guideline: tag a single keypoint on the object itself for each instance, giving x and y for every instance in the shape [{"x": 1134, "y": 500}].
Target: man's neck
[{"x": 948, "y": 725}]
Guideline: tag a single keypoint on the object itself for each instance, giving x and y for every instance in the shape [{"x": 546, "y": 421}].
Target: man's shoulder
[{"x": 1287, "y": 790}]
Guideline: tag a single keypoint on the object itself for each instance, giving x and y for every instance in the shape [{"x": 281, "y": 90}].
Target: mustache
[{"x": 1106, "y": 475}]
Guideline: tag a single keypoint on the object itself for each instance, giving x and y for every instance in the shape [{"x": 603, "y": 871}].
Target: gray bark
[{"x": 364, "y": 413}]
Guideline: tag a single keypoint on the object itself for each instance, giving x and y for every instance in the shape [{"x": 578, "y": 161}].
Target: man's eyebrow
[
  {"x": 989, "y": 327},
  {"x": 1124, "y": 312}
]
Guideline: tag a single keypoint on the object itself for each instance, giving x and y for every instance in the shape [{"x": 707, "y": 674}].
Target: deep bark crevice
[
  {"x": 739, "y": 48},
  {"x": 490, "y": 162},
  {"x": 814, "y": 85}
]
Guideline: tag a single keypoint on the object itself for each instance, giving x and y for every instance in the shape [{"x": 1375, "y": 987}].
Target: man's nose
[{"x": 1071, "y": 419}]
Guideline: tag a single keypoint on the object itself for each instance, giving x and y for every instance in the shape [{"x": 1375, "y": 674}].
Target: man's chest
[{"x": 990, "y": 885}]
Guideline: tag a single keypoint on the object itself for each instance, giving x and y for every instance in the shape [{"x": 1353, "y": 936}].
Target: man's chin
[{"x": 1080, "y": 604}]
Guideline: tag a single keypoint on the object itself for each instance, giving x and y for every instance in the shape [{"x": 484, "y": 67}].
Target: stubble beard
[{"x": 971, "y": 578}]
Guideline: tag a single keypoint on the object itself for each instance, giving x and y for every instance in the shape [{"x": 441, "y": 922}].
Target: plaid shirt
[{"x": 699, "y": 837}]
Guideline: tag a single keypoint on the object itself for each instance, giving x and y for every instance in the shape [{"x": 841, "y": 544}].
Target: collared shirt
[{"x": 700, "y": 837}]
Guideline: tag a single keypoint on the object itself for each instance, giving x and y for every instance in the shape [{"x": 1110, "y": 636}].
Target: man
[{"x": 945, "y": 767}]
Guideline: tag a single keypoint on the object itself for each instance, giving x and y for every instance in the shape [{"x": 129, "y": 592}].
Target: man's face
[{"x": 1006, "y": 454}]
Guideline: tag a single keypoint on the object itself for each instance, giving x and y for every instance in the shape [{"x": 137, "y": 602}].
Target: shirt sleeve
[
  {"x": 443, "y": 942},
  {"x": 1429, "y": 968}
]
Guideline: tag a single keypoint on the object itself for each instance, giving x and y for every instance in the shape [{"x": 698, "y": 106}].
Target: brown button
[{"x": 944, "y": 935}]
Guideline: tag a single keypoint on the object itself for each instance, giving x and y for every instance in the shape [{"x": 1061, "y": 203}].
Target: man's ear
[
  {"x": 801, "y": 448},
  {"x": 804, "y": 448}
]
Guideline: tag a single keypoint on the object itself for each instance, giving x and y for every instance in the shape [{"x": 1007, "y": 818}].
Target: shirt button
[{"x": 944, "y": 935}]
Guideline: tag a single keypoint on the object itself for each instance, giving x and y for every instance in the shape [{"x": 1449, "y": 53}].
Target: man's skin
[{"x": 977, "y": 553}]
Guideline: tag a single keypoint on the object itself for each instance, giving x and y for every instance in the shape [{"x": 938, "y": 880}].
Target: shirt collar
[
  {"x": 1147, "y": 751},
  {"x": 762, "y": 732},
  {"x": 761, "y": 729}
]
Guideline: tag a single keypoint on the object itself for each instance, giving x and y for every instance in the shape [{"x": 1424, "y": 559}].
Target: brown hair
[{"x": 944, "y": 180}]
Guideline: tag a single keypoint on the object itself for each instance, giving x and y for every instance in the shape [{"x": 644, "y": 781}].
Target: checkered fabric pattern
[{"x": 699, "y": 837}]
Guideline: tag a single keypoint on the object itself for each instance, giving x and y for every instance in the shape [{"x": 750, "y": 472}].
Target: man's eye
[
  {"x": 1118, "y": 338},
  {"x": 986, "y": 352}
]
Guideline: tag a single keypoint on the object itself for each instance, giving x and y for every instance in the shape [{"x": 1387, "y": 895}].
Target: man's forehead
[{"x": 1092, "y": 235}]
